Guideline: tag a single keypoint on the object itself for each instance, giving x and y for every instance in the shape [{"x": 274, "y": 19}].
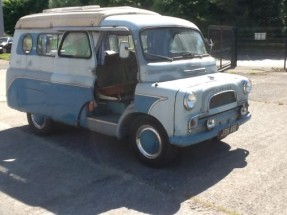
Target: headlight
[
  {"x": 247, "y": 86},
  {"x": 189, "y": 101}
]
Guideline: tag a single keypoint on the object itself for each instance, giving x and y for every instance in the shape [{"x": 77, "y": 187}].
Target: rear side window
[
  {"x": 114, "y": 41},
  {"x": 47, "y": 44},
  {"x": 76, "y": 45},
  {"x": 27, "y": 43}
]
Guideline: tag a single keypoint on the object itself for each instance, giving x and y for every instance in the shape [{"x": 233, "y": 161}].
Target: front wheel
[
  {"x": 39, "y": 124},
  {"x": 150, "y": 142}
]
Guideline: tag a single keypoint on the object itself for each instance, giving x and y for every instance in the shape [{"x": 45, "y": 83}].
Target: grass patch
[
  {"x": 278, "y": 70},
  {"x": 247, "y": 71},
  {"x": 212, "y": 206},
  {"x": 5, "y": 56}
]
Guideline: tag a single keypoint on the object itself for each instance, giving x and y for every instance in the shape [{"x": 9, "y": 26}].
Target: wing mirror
[
  {"x": 124, "y": 49},
  {"x": 210, "y": 44}
]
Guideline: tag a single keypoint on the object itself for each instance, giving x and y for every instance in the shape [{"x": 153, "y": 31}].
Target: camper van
[{"x": 124, "y": 72}]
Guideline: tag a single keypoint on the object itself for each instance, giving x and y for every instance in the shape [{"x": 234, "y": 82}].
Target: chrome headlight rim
[
  {"x": 189, "y": 100},
  {"x": 247, "y": 86}
]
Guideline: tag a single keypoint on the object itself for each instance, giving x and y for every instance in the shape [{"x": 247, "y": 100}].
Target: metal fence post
[
  {"x": 221, "y": 46},
  {"x": 234, "y": 48},
  {"x": 1, "y": 20},
  {"x": 285, "y": 54}
]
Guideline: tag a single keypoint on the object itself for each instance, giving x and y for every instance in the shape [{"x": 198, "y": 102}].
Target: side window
[
  {"x": 47, "y": 44},
  {"x": 27, "y": 43},
  {"x": 110, "y": 45},
  {"x": 113, "y": 43},
  {"x": 75, "y": 44},
  {"x": 115, "y": 40}
]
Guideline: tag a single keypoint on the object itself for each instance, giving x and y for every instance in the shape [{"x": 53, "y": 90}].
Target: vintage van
[{"x": 124, "y": 72}]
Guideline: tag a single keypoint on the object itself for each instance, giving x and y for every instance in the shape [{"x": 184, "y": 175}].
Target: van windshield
[{"x": 172, "y": 43}]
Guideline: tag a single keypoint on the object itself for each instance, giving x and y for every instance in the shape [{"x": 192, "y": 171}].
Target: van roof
[{"x": 85, "y": 16}]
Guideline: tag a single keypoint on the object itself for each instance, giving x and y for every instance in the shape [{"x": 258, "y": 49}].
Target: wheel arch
[{"x": 128, "y": 120}]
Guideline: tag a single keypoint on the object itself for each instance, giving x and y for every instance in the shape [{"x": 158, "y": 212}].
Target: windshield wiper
[
  {"x": 191, "y": 55},
  {"x": 159, "y": 56},
  {"x": 201, "y": 55}
]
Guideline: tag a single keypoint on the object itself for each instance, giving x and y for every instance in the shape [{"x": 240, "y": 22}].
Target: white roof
[
  {"x": 85, "y": 16},
  {"x": 140, "y": 21}
]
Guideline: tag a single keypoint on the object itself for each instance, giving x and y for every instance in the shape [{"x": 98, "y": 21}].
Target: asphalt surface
[{"x": 75, "y": 171}]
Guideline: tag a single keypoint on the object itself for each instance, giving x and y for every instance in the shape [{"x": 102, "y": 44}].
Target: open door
[{"x": 117, "y": 67}]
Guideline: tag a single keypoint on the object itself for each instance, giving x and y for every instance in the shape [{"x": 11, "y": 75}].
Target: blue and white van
[{"x": 123, "y": 72}]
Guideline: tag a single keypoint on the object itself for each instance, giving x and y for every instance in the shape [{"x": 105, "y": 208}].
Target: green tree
[
  {"x": 63, "y": 3},
  {"x": 265, "y": 12},
  {"x": 102, "y": 3},
  {"x": 197, "y": 11},
  {"x": 255, "y": 13},
  {"x": 283, "y": 12},
  {"x": 14, "y": 9}
]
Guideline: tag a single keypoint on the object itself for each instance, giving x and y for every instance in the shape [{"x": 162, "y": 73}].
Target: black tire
[
  {"x": 4, "y": 50},
  {"x": 39, "y": 124},
  {"x": 150, "y": 142}
]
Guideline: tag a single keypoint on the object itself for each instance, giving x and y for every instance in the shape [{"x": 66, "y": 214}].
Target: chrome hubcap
[
  {"x": 38, "y": 121},
  {"x": 149, "y": 142}
]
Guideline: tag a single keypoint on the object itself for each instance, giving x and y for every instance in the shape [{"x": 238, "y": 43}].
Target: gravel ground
[
  {"x": 79, "y": 172},
  {"x": 3, "y": 64}
]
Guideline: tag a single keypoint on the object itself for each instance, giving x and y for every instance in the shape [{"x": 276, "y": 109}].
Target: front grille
[{"x": 222, "y": 99}]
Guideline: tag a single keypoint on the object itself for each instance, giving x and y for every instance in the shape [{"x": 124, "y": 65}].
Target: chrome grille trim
[{"x": 221, "y": 99}]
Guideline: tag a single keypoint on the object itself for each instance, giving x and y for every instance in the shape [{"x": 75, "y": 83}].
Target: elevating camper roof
[{"x": 75, "y": 16}]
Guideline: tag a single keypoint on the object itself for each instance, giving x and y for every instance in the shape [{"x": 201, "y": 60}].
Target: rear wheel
[
  {"x": 4, "y": 50},
  {"x": 150, "y": 142},
  {"x": 39, "y": 124}
]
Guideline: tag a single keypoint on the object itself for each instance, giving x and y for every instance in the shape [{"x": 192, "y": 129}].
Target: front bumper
[{"x": 191, "y": 139}]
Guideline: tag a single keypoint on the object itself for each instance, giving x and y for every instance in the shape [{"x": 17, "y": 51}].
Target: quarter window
[
  {"x": 75, "y": 44},
  {"x": 47, "y": 44},
  {"x": 27, "y": 43},
  {"x": 115, "y": 40}
]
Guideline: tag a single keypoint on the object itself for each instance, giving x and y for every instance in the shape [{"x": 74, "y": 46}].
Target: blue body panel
[
  {"x": 144, "y": 103},
  {"x": 183, "y": 141},
  {"x": 61, "y": 102},
  {"x": 29, "y": 96}
]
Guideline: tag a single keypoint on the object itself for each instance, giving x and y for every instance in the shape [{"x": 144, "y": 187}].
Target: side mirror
[
  {"x": 124, "y": 49},
  {"x": 210, "y": 44}
]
